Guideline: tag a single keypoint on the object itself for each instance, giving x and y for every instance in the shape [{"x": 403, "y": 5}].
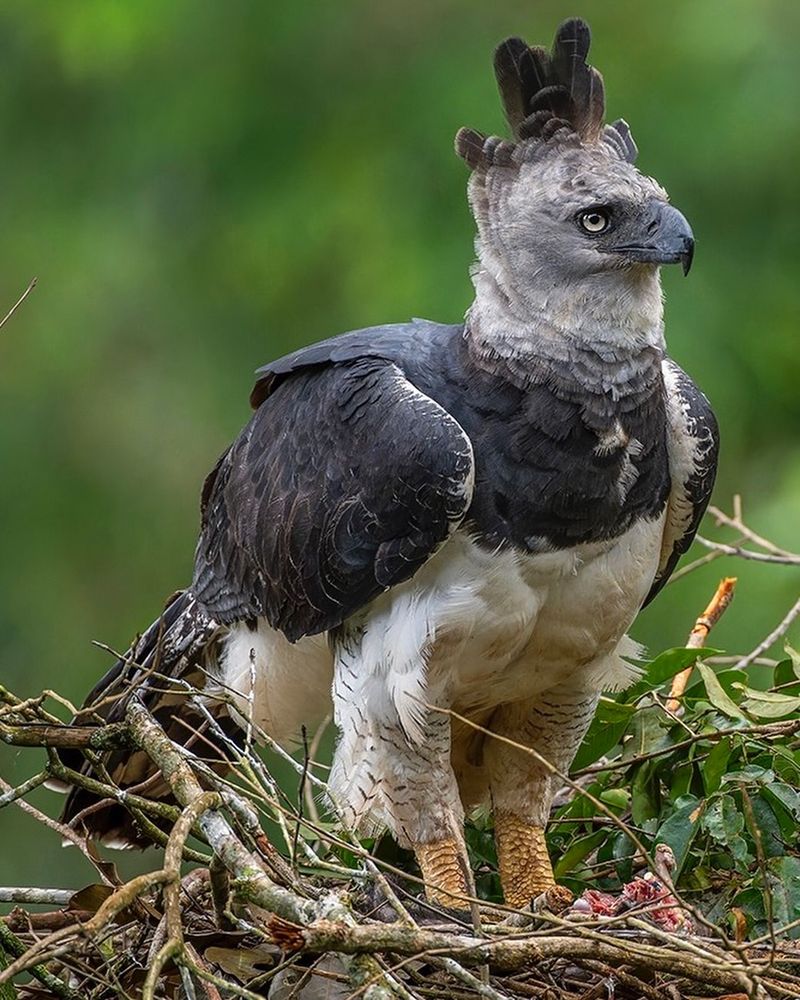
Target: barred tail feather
[{"x": 173, "y": 649}]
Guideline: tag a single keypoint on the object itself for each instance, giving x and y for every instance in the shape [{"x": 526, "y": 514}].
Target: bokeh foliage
[{"x": 201, "y": 187}]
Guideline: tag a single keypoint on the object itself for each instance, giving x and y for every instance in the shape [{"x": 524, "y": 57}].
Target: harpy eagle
[{"x": 424, "y": 516}]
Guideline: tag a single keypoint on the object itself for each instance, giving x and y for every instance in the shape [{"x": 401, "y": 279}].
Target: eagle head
[{"x": 562, "y": 203}]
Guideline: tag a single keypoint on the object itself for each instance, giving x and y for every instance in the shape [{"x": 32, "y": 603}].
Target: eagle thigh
[
  {"x": 553, "y": 724},
  {"x": 385, "y": 774},
  {"x": 522, "y": 787}
]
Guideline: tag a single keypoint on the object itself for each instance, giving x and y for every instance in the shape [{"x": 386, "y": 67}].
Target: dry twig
[{"x": 697, "y": 637}]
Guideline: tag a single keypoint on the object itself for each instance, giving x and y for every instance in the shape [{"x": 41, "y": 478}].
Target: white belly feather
[{"x": 471, "y": 630}]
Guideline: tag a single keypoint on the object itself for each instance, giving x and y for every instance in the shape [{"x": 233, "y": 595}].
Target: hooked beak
[{"x": 669, "y": 240}]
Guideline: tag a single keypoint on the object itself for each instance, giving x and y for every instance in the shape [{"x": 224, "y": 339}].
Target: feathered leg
[
  {"x": 522, "y": 788},
  {"x": 390, "y": 770}
]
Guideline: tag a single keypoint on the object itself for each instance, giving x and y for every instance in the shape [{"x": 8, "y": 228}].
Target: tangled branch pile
[{"x": 260, "y": 892}]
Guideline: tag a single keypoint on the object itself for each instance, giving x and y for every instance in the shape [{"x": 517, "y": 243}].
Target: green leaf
[
  {"x": 648, "y": 732},
  {"x": 726, "y": 677},
  {"x": 672, "y": 661},
  {"x": 787, "y": 820},
  {"x": 722, "y": 820},
  {"x": 751, "y": 902},
  {"x": 481, "y": 843},
  {"x": 768, "y": 704},
  {"x": 725, "y": 823},
  {"x": 757, "y": 694},
  {"x": 768, "y": 826},
  {"x": 680, "y": 829},
  {"x": 785, "y": 677},
  {"x": 581, "y": 807},
  {"x": 787, "y": 796},
  {"x": 623, "y": 853},
  {"x": 751, "y": 773},
  {"x": 768, "y": 710},
  {"x": 601, "y": 738},
  {"x": 716, "y": 694},
  {"x": 794, "y": 656},
  {"x": 784, "y": 883},
  {"x": 618, "y": 798},
  {"x": 609, "y": 710},
  {"x": 715, "y": 765},
  {"x": 645, "y": 792},
  {"x": 740, "y": 852},
  {"x": 700, "y": 878},
  {"x": 577, "y": 851},
  {"x": 682, "y": 778},
  {"x": 617, "y": 851}
]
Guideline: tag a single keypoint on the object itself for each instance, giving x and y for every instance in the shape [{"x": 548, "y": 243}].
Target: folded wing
[{"x": 346, "y": 480}]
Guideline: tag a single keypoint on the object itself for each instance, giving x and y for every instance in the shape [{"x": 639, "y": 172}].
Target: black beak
[{"x": 669, "y": 239}]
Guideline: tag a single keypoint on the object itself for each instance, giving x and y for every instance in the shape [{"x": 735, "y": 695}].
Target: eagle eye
[{"x": 594, "y": 220}]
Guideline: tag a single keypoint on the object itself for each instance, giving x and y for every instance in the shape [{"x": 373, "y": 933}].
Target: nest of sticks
[{"x": 255, "y": 895}]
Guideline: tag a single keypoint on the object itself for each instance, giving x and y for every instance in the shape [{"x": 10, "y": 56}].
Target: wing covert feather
[
  {"x": 346, "y": 480},
  {"x": 693, "y": 451}
]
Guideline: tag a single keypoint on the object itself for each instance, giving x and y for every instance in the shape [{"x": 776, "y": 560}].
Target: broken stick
[{"x": 697, "y": 637}]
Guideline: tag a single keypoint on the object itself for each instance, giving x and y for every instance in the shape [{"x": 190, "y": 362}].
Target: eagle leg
[
  {"x": 446, "y": 872},
  {"x": 541, "y": 734},
  {"x": 525, "y": 868},
  {"x": 392, "y": 766}
]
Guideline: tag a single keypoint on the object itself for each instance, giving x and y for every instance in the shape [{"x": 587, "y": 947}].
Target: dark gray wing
[
  {"x": 693, "y": 450},
  {"x": 346, "y": 480}
]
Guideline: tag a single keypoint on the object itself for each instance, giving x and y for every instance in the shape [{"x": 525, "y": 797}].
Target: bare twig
[
  {"x": 21, "y": 790},
  {"x": 464, "y": 976},
  {"x": 28, "y": 896},
  {"x": 697, "y": 637},
  {"x": 52, "y": 945},
  {"x": 696, "y": 564},
  {"x": 23, "y": 922},
  {"x": 516, "y": 952},
  {"x": 174, "y": 946},
  {"x": 769, "y": 730},
  {"x": 249, "y": 880},
  {"x": 18, "y": 303},
  {"x": 737, "y": 523},
  {"x": 13, "y": 946},
  {"x": 113, "y": 736},
  {"x": 737, "y": 550},
  {"x": 624, "y": 976},
  {"x": 311, "y": 805},
  {"x": 778, "y": 632}
]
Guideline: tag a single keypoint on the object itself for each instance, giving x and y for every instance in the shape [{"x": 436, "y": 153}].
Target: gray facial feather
[
  {"x": 540, "y": 278},
  {"x": 544, "y": 286}
]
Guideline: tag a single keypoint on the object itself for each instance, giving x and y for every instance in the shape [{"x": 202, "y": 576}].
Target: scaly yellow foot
[
  {"x": 525, "y": 869},
  {"x": 443, "y": 866}
]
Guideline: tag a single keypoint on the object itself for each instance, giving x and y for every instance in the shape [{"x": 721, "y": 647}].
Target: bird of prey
[{"x": 464, "y": 517}]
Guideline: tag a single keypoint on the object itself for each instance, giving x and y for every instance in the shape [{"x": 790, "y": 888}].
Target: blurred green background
[{"x": 201, "y": 187}]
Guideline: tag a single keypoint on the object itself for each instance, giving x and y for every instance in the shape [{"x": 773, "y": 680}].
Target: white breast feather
[{"x": 471, "y": 630}]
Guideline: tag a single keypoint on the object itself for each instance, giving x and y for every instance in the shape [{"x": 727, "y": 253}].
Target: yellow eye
[{"x": 594, "y": 221}]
